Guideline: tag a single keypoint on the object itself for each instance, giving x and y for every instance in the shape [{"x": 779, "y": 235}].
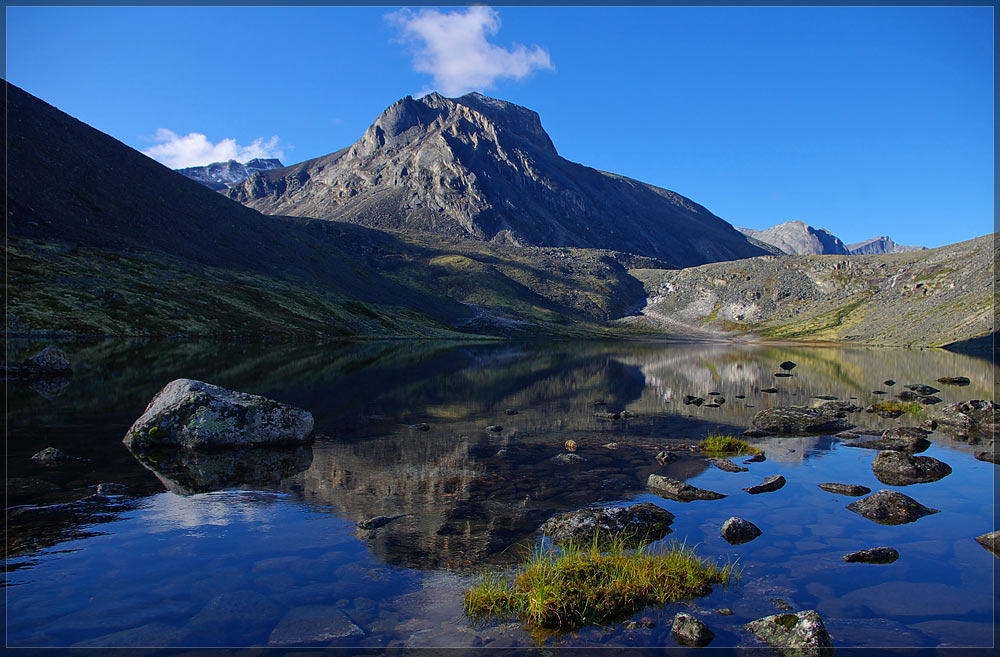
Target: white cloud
[
  {"x": 195, "y": 149},
  {"x": 453, "y": 47}
]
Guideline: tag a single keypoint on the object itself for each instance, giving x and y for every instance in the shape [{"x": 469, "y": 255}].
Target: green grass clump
[
  {"x": 582, "y": 585},
  {"x": 727, "y": 445},
  {"x": 913, "y": 408}
]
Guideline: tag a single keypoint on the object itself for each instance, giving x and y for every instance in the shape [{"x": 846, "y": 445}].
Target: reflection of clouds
[{"x": 167, "y": 511}]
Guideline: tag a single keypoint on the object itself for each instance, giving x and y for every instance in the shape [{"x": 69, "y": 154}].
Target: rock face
[
  {"x": 872, "y": 555},
  {"x": 801, "y": 634},
  {"x": 795, "y": 421},
  {"x": 991, "y": 542},
  {"x": 689, "y": 631},
  {"x": 738, "y": 530},
  {"x": 972, "y": 420},
  {"x": 887, "y": 507},
  {"x": 678, "y": 490},
  {"x": 854, "y": 490},
  {"x": 766, "y": 486},
  {"x": 901, "y": 469},
  {"x": 798, "y": 238},
  {"x": 49, "y": 362},
  {"x": 194, "y": 414},
  {"x": 880, "y": 245},
  {"x": 222, "y": 175},
  {"x": 484, "y": 168},
  {"x": 644, "y": 521}
]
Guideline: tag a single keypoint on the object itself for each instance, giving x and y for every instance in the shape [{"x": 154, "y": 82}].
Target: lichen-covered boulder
[
  {"x": 970, "y": 420},
  {"x": 795, "y": 421},
  {"x": 678, "y": 490},
  {"x": 198, "y": 415},
  {"x": 639, "y": 522},
  {"x": 689, "y": 631},
  {"x": 888, "y": 507},
  {"x": 801, "y": 634},
  {"x": 901, "y": 469}
]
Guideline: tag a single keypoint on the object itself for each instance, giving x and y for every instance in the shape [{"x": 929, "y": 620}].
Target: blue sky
[{"x": 861, "y": 120}]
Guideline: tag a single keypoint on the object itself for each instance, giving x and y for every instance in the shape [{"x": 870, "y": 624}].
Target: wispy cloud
[
  {"x": 194, "y": 149},
  {"x": 454, "y": 48}
]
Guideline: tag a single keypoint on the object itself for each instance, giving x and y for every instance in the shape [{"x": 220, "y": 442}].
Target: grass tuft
[
  {"x": 579, "y": 585},
  {"x": 913, "y": 408},
  {"x": 717, "y": 444}
]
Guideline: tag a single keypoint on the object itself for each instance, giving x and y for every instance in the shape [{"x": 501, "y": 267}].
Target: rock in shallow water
[
  {"x": 991, "y": 542},
  {"x": 801, "y": 634},
  {"x": 737, "y": 531},
  {"x": 872, "y": 555},
  {"x": 766, "y": 486},
  {"x": 678, "y": 490},
  {"x": 888, "y": 507},
  {"x": 50, "y": 455},
  {"x": 313, "y": 625},
  {"x": 854, "y": 490},
  {"x": 973, "y": 420},
  {"x": 689, "y": 631},
  {"x": 902, "y": 469},
  {"x": 643, "y": 521},
  {"x": 794, "y": 421},
  {"x": 954, "y": 380},
  {"x": 194, "y": 414},
  {"x": 727, "y": 465}
]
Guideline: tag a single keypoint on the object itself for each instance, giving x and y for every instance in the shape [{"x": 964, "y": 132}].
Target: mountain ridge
[
  {"x": 218, "y": 176},
  {"x": 485, "y": 169}
]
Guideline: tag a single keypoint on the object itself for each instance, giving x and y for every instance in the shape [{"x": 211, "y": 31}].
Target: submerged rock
[
  {"x": 801, "y": 634},
  {"x": 691, "y": 399},
  {"x": 194, "y": 414},
  {"x": 689, "y": 631},
  {"x": 888, "y": 507},
  {"x": 901, "y": 469},
  {"x": 766, "y": 486},
  {"x": 737, "y": 531},
  {"x": 678, "y": 490},
  {"x": 379, "y": 521},
  {"x": 974, "y": 419},
  {"x": 727, "y": 465},
  {"x": 787, "y": 365},
  {"x": 854, "y": 490},
  {"x": 795, "y": 420},
  {"x": 567, "y": 458},
  {"x": 991, "y": 542},
  {"x": 872, "y": 555},
  {"x": 954, "y": 380},
  {"x": 921, "y": 389},
  {"x": 639, "y": 522}
]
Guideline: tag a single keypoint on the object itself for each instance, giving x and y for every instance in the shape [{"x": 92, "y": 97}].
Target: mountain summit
[
  {"x": 484, "y": 168},
  {"x": 799, "y": 238},
  {"x": 220, "y": 175}
]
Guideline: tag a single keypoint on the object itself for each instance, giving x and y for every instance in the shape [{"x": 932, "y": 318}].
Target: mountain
[
  {"x": 482, "y": 168},
  {"x": 222, "y": 175},
  {"x": 103, "y": 240},
  {"x": 879, "y": 245},
  {"x": 932, "y": 297},
  {"x": 798, "y": 238}
]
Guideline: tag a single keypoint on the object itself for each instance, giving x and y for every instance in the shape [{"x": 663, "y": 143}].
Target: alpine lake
[{"x": 262, "y": 547}]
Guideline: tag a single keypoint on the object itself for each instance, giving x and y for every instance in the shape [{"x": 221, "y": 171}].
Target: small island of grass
[
  {"x": 717, "y": 444},
  {"x": 913, "y": 408},
  {"x": 583, "y": 585}
]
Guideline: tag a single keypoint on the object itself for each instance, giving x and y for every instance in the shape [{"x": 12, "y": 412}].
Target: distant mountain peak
[
  {"x": 222, "y": 175},
  {"x": 799, "y": 238},
  {"x": 879, "y": 245}
]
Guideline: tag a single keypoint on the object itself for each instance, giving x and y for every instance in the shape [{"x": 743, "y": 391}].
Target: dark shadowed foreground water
[{"x": 262, "y": 547}]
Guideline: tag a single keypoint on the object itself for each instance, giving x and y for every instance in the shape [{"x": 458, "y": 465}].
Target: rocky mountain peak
[{"x": 798, "y": 237}]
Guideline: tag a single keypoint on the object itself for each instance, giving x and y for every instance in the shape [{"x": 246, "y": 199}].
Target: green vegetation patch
[
  {"x": 727, "y": 445},
  {"x": 582, "y": 585},
  {"x": 913, "y": 408},
  {"x": 823, "y": 322}
]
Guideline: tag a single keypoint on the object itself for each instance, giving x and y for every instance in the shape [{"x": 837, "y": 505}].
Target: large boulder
[
  {"x": 638, "y": 522},
  {"x": 888, "y": 507},
  {"x": 678, "y": 490},
  {"x": 795, "y": 421},
  {"x": 801, "y": 634},
  {"x": 198, "y": 415},
  {"x": 737, "y": 531},
  {"x": 971, "y": 420},
  {"x": 689, "y": 631},
  {"x": 901, "y": 469}
]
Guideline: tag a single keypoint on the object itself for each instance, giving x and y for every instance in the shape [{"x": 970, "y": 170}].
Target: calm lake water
[{"x": 262, "y": 547}]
